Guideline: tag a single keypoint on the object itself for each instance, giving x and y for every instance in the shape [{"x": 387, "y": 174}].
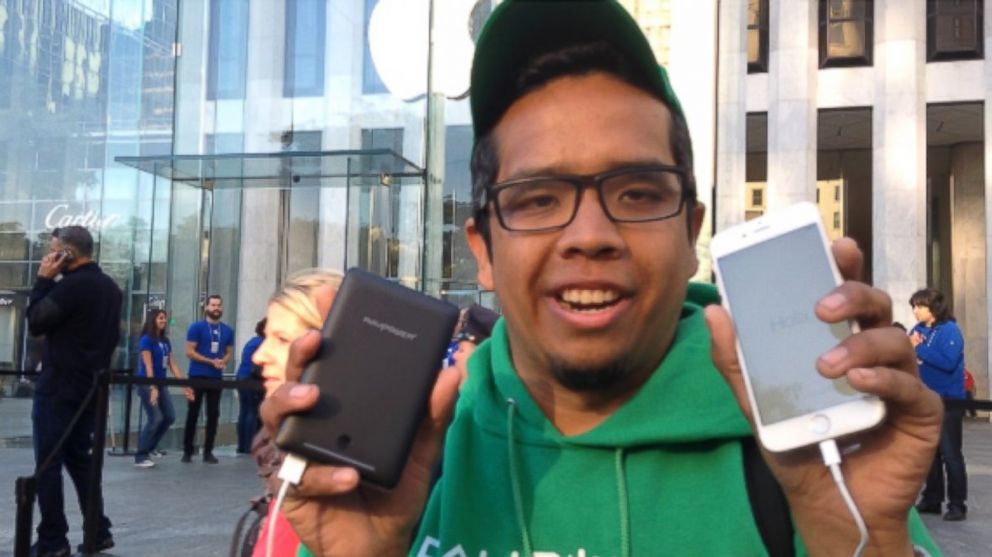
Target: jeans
[
  {"x": 50, "y": 418},
  {"x": 248, "y": 424},
  {"x": 193, "y": 414},
  {"x": 949, "y": 459},
  {"x": 160, "y": 416}
]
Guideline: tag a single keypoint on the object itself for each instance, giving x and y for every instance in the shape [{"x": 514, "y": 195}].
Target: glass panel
[
  {"x": 753, "y": 46},
  {"x": 301, "y": 207},
  {"x": 459, "y": 268},
  {"x": 226, "y": 64},
  {"x": 845, "y": 39},
  {"x": 954, "y": 30},
  {"x": 305, "y": 25},
  {"x": 371, "y": 82},
  {"x": 846, "y": 9},
  {"x": 83, "y": 82},
  {"x": 183, "y": 295}
]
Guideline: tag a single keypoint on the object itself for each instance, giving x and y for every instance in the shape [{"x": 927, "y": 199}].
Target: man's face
[
  {"x": 214, "y": 309},
  {"x": 597, "y": 300}
]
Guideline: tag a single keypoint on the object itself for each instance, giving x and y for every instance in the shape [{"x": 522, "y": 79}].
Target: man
[
  {"x": 80, "y": 319},
  {"x": 209, "y": 345},
  {"x": 594, "y": 421}
]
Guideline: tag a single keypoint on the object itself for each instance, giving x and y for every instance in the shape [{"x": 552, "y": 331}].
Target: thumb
[{"x": 724, "y": 353}]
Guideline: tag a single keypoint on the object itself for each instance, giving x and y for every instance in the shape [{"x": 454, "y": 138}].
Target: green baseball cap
[{"x": 520, "y": 30}]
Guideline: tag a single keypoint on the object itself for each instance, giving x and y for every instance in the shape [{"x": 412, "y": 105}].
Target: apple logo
[{"x": 398, "y": 41}]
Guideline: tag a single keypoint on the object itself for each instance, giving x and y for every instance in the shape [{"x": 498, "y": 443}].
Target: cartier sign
[{"x": 60, "y": 215}]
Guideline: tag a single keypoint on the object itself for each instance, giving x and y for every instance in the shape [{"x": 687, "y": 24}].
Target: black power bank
[{"x": 382, "y": 350}]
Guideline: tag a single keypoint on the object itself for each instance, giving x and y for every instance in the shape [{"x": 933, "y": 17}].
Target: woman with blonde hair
[{"x": 292, "y": 311}]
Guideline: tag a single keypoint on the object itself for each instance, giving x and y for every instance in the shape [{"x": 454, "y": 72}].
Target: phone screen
[{"x": 772, "y": 288}]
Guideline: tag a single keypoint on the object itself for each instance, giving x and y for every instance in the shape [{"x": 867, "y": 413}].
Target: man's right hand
[
  {"x": 333, "y": 513},
  {"x": 51, "y": 265}
]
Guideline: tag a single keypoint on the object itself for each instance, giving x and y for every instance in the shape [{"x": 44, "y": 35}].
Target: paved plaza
[{"x": 191, "y": 509}]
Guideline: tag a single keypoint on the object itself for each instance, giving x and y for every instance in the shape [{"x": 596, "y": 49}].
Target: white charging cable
[
  {"x": 290, "y": 473},
  {"x": 831, "y": 457}
]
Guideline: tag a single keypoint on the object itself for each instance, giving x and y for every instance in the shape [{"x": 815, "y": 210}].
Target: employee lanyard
[{"x": 214, "y": 338}]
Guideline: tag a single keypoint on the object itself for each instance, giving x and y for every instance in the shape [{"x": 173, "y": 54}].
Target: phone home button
[{"x": 819, "y": 424}]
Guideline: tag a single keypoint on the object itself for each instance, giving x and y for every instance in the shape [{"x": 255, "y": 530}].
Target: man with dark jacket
[{"x": 79, "y": 316}]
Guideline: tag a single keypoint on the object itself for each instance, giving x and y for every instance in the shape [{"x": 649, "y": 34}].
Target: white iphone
[{"x": 771, "y": 272}]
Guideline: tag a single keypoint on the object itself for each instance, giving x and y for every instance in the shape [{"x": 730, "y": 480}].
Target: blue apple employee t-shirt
[
  {"x": 212, "y": 341},
  {"x": 160, "y": 349}
]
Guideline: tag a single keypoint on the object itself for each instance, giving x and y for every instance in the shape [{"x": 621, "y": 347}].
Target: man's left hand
[
  {"x": 886, "y": 473},
  {"x": 51, "y": 265}
]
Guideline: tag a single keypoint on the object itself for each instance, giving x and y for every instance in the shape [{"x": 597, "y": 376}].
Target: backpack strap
[{"x": 768, "y": 504}]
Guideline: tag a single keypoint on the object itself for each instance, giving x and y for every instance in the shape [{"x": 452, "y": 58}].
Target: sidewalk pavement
[{"x": 191, "y": 509}]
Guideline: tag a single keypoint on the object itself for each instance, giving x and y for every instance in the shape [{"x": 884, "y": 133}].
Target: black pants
[
  {"x": 193, "y": 414},
  {"x": 51, "y": 416},
  {"x": 950, "y": 460}
]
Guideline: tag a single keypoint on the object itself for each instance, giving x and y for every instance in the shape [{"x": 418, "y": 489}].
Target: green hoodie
[{"x": 662, "y": 476}]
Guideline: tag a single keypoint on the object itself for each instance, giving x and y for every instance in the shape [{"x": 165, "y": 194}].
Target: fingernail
[
  {"x": 864, "y": 373},
  {"x": 343, "y": 475},
  {"x": 833, "y": 301},
  {"x": 300, "y": 391},
  {"x": 835, "y": 356}
]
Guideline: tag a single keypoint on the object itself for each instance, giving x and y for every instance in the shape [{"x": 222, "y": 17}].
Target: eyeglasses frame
[{"x": 583, "y": 181}]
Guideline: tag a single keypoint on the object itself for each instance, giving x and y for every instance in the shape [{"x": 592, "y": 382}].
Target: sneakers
[
  {"x": 187, "y": 458},
  {"x": 157, "y": 454},
  {"x": 144, "y": 463},
  {"x": 209, "y": 458},
  {"x": 101, "y": 546}
]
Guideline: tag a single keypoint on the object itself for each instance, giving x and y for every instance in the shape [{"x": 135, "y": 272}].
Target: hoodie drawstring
[
  {"x": 518, "y": 503},
  {"x": 624, "y": 503}
]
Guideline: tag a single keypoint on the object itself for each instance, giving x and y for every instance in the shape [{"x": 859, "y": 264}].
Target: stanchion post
[
  {"x": 127, "y": 415},
  {"x": 24, "y": 489},
  {"x": 91, "y": 520}
]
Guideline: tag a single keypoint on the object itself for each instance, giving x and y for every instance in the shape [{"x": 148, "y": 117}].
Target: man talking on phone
[
  {"x": 606, "y": 415},
  {"x": 79, "y": 316}
]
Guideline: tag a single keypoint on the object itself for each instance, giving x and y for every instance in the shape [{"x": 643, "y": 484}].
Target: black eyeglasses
[{"x": 633, "y": 194}]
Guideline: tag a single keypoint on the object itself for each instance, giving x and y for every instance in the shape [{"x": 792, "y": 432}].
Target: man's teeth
[{"x": 589, "y": 297}]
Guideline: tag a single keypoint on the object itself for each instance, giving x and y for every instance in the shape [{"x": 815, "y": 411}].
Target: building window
[
  {"x": 757, "y": 36},
  {"x": 371, "y": 82},
  {"x": 954, "y": 30},
  {"x": 228, "y": 48},
  {"x": 846, "y": 33},
  {"x": 756, "y": 198},
  {"x": 305, "y": 29},
  {"x": 837, "y": 193},
  {"x": 837, "y": 220}
]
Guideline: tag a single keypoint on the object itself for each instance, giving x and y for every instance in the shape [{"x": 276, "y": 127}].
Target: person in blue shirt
[
  {"x": 939, "y": 348},
  {"x": 209, "y": 346},
  {"x": 249, "y": 399},
  {"x": 154, "y": 358}
]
